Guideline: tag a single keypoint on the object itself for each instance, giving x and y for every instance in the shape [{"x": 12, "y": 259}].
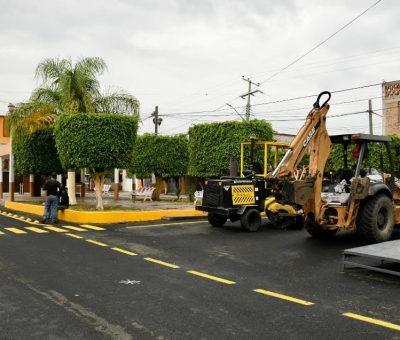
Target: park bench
[{"x": 145, "y": 192}]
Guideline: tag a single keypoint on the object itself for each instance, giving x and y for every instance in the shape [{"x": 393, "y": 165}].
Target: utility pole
[
  {"x": 157, "y": 121},
  {"x": 248, "y": 94},
  {"x": 371, "y": 130}
]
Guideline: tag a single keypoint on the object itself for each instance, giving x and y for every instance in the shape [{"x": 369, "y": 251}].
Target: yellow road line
[
  {"x": 373, "y": 321},
  {"x": 97, "y": 243},
  {"x": 166, "y": 264},
  {"x": 215, "y": 278},
  {"x": 73, "y": 235},
  {"x": 56, "y": 229},
  {"x": 284, "y": 297},
  {"x": 88, "y": 226},
  {"x": 124, "y": 251},
  {"x": 36, "y": 230},
  {"x": 16, "y": 230},
  {"x": 1, "y": 233},
  {"x": 73, "y": 228}
]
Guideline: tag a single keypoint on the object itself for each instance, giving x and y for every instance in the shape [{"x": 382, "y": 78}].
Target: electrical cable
[{"x": 321, "y": 43}]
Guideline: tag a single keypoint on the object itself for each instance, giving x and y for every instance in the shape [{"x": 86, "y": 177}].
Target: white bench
[
  {"x": 144, "y": 192},
  {"x": 106, "y": 188}
]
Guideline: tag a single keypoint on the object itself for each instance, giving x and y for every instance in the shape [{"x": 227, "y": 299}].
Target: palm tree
[{"x": 68, "y": 87}]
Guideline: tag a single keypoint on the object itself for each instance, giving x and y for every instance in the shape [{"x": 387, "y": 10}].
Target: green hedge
[
  {"x": 212, "y": 146},
  {"x": 97, "y": 141},
  {"x": 165, "y": 156},
  {"x": 36, "y": 153}
]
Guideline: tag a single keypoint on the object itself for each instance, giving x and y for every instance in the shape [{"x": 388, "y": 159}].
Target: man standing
[{"x": 53, "y": 187}]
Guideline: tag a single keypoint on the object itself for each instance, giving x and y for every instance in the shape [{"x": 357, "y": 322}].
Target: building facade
[{"x": 391, "y": 107}]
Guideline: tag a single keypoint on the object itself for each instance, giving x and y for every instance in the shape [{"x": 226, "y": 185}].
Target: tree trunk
[
  {"x": 158, "y": 188},
  {"x": 98, "y": 189},
  {"x": 71, "y": 187}
]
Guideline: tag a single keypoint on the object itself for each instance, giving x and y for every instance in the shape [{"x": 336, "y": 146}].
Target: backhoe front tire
[
  {"x": 251, "y": 220},
  {"x": 376, "y": 219},
  {"x": 217, "y": 220}
]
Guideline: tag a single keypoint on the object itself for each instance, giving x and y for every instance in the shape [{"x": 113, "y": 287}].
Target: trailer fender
[{"x": 273, "y": 206}]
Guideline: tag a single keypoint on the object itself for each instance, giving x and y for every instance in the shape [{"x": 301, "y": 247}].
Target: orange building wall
[{"x": 4, "y": 131}]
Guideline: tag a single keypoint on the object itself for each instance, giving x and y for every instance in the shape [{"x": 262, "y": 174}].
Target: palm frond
[
  {"x": 31, "y": 116},
  {"x": 118, "y": 102}
]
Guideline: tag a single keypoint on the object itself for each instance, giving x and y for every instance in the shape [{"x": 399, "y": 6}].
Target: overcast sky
[{"x": 189, "y": 55}]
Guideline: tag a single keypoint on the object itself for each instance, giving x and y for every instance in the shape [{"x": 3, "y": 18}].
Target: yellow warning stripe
[
  {"x": 36, "y": 230},
  {"x": 373, "y": 321},
  {"x": 124, "y": 251},
  {"x": 71, "y": 227},
  {"x": 16, "y": 230},
  {"x": 56, "y": 229},
  {"x": 284, "y": 297},
  {"x": 73, "y": 235},
  {"x": 211, "y": 277},
  {"x": 88, "y": 226},
  {"x": 97, "y": 243},
  {"x": 166, "y": 264}
]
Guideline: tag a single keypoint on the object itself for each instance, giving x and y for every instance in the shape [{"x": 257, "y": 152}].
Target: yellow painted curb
[{"x": 116, "y": 216}]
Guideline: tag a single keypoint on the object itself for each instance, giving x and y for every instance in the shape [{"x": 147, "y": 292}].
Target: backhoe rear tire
[
  {"x": 251, "y": 220},
  {"x": 376, "y": 219},
  {"x": 217, "y": 220}
]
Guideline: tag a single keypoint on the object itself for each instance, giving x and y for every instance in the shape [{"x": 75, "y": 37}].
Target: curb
[
  {"x": 180, "y": 218},
  {"x": 117, "y": 216}
]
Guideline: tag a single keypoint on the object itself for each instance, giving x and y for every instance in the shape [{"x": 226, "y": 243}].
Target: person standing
[{"x": 52, "y": 187}]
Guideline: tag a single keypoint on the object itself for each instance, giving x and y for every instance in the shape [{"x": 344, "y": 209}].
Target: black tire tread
[{"x": 367, "y": 216}]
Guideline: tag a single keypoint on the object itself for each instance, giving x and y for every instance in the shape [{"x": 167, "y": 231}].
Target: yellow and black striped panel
[{"x": 243, "y": 194}]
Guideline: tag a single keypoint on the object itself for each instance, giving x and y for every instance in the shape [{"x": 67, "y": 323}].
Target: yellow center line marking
[
  {"x": 36, "y": 230},
  {"x": 97, "y": 243},
  {"x": 284, "y": 297},
  {"x": 373, "y": 321},
  {"x": 88, "y": 226},
  {"x": 16, "y": 230},
  {"x": 1, "y": 233},
  {"x": 124, "y": 251},
  {"x": 166, "y": 264},
  {"x": 73, "y": 235},
  {"x": 211, "y": 277},
  {"x": 56, "y": 229},
  {"x": 162, "y": 224},
  {"x": 73, "y": 228}
]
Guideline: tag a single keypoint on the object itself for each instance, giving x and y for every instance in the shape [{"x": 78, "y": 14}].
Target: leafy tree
[
  {"x": 36, "y": 153},
  {"x": 212, "y": 146},
  {"x": 165, "y": 156},
  {"x": 69, "y": 87},
  {"x": 97, "y": 142}
]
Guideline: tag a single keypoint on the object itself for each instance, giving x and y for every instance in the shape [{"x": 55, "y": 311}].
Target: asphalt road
[{"x": 186, "y": 280}]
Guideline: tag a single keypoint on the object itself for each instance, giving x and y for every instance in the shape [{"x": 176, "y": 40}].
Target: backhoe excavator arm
[{"x": 314, "y": 134}]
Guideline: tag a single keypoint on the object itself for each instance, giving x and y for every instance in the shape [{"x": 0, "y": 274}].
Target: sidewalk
[{"x": 115, "y": 211}]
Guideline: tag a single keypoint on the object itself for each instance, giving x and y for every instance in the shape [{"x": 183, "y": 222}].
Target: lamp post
[{"x": 11, "y": 108}]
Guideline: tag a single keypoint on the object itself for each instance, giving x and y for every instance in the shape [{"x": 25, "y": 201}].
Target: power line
[
  {"x": 321, "y": 43},
  {"x": 273, "y": 102}
]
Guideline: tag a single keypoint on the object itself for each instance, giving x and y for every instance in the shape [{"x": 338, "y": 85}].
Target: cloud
[{"x": 187, "y": 55}]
